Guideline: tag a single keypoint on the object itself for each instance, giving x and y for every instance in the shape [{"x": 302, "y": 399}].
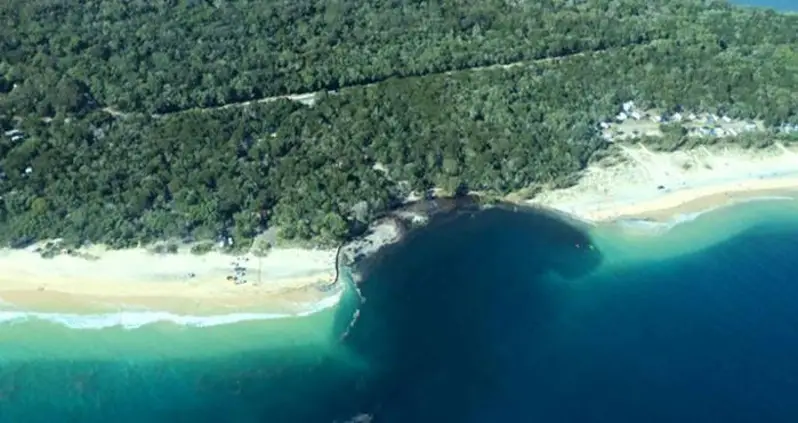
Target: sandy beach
[
  {"x": 284, "y": 281},
  {"x": 639, "y": 183},
  {"x": 636, "y": 183}
]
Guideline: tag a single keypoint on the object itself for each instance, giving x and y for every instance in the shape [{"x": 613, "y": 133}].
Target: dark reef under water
[{"x": 489, "y": 315}]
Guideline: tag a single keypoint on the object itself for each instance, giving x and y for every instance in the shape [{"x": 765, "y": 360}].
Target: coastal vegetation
[{"x": 114, "y": 130}]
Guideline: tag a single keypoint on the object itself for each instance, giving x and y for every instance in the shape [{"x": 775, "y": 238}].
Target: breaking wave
[
  {"x": 137, "y": 319},
  {"x": 659, "y": 227}
]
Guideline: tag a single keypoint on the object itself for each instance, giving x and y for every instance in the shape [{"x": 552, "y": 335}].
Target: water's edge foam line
[
  {"x": 137, "y": 319},
  {"x": 660, "y": 226},
  {"x": 132, "y": 319}
]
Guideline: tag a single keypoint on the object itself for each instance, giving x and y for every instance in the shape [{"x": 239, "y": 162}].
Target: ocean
[
  {"x": 490, "y": 316},
  {"x": 780, "y": 5}
]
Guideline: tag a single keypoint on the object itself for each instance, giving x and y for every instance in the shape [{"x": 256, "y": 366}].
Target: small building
[
  {"x": 636, "y": 115},
  {"x": 692, "y": 116},
  {"x": 621, "y": 116},
  {"x": 656, "y": 118},
  {"x": 726, "y": 119},
  {"x": 676, "y": 117},
  {"x": 604, "y": 125},
  {"x": 28, "y": 170}
]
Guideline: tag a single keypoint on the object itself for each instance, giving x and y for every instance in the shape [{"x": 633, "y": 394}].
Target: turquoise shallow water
[
  {"x": 483, "y": 317},
  {"x": 165, "y": 372}
]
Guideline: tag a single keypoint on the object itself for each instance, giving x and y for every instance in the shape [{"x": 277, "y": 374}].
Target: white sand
[
  {"x": 691, "y": 181},
  {"x": 286, "y": 279},
  {"x": 136, "y": 278}
]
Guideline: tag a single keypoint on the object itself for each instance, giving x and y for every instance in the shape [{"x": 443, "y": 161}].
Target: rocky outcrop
[{"x": 394, "y": 225}]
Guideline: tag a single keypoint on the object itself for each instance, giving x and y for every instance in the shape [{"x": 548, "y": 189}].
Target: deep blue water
[
  {"x": 526, "y": 327},
  {"x": 712, "y": 336},
  {"x": 484, "y": 317}
]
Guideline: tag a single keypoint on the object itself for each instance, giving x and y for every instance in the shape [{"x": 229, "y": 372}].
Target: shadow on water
[{"x": 448, "y": 307}]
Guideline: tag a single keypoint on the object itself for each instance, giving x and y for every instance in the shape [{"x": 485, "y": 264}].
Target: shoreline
[
  {"x": 77, "y": 313},
  {"x": 660, "y": 187},
  {"x": 287, "y": 281},
  {"x": 649, "y": 186},
  {"x": 697, "y": 202},
  {"x": 671, "y": 205}
]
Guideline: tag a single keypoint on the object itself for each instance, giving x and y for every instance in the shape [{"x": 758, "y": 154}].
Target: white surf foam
[
  {"x": 137, "y": 319},
  {"x": 658, "y": 227}
]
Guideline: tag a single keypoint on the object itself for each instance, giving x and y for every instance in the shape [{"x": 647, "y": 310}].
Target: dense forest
[
  {"x": 417, "y": 100},
  {"x": 166, "y": 55}
]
